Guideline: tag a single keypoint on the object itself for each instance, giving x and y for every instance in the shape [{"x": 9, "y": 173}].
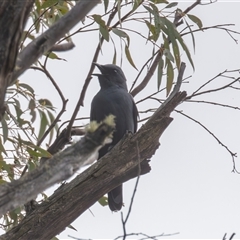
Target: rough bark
[
  {"x": 14, "y": 14},
  {"x": 60, "y": 167},
  {"x": 72, "y": 199}
]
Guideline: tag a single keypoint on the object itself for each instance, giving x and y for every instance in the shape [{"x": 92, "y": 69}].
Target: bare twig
[
  {"x": 218, "y": 27},
  {"x": 124, "y": 221},
  {"x": 213, "y": 90},
  {"x": 178, "y": 17},
  {"x": 231, "y": 237},
  {"x": 233, "y": 155},
  {"x": 149, "y": 74},
  {"x": 146, "y": 236},
  {"x": 213, "y": 103},
  {"x": 89, "y": 77}
]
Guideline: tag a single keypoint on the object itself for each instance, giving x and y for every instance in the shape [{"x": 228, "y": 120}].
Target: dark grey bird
[{"x": 113, "y": 98}]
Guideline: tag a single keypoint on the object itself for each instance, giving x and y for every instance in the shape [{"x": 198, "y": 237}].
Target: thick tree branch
[
  {"x": 45, "y": 42},
  {"x": 59, "y": 168},
  {"x": 72, "y": 199},
  {"x": 119, "y": 165},
  {"x": 14, "y": 14}
]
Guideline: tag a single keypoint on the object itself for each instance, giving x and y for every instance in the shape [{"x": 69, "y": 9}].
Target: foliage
[
  {"x": 28, "y": 121},
  {"x": 27, "y": 118}
]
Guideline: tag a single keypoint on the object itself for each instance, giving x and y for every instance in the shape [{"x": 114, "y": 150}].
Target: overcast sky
[{"x": 191, "y": 189}]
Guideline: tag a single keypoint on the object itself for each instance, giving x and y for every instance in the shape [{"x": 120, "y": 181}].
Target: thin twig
[
  {"x": 213, "y": 90},
  {"x": 89, "y": 77},
  {"x": 233, "y": 155},
  {"x": 133, "y": 195},
  {"x": 146, "y": 236},
  {"x": 213, "y": 103}
]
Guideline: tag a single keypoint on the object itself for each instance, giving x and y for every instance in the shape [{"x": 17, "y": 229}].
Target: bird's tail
[{"x": 115, "y": 199}]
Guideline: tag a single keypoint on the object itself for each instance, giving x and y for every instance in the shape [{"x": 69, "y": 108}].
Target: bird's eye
[{"x": 115, "y": 71}]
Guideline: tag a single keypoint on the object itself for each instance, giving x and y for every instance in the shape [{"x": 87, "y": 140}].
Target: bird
[{"x": 113, "y": 98}]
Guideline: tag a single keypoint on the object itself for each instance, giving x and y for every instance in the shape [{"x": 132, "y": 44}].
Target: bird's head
[{"x": 111, "y": 75}]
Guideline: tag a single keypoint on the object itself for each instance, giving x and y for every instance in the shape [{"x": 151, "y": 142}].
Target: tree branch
[
  {"x": 14, "y": 14},
  {"x": 73, "y": 198},
  {"x": 43, "y": 43},
  {"x": 59, "y": 168}
]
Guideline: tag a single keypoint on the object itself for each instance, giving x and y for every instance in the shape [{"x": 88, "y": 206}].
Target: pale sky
[{"x": 191, "y": 189}]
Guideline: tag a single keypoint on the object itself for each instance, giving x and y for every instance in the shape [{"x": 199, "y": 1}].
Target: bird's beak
[{"x": 100, "y": 67}]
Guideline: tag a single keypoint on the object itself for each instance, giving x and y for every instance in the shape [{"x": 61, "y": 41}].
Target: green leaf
[
  {"x": 2, "y": 181},
  {"x": 155, "y": 31},
  {"x": 119, "y": 10},
  {"x": 13, "y": 215},
  {"x": 38, "y": 152},
  {"x": 62, "y": 9},
  {"x": 176, "y": 55},
  {"x": 157, "y": 19},
  {"x": 173, "y": 4},
  {"x": 195, "y": 20},
  {"x": 104, "y": 32},
  {"x": 170, "y": 76},
  {"x": 149, "y": 9},
  {"x": 46, "y": 103},
  {"x": 49, "y": 3},
  {"x": 179, "y": 38},
  {"x": 9, "y": 169},
  {"x": 160, "y": 72},
  {"x": 4, "y": 129},
  {"x": 55, "y": 238},
  {"x": 26, "y": 86},
  {"x": 32, "y": 152},
  {"x": 17, "y": 210},
  {"x": 136, "y": 4},
  {"x": 120, "y": 33},
  {"x": 103, "y": 201},
  {"x": 129, "y": 58},
  {"x": 19, "y": 112},
  {"x": 172, "y": 37},
  {"x": 43, "y": 152},
  {"x": 17, "y": 103},
  {"x": 53, "y": 55},
  {"x": 2, "y": 149},
  {"x": 34, "y": 115},
  {"x": 31, "y": 104},
  {"x": 106, "y": 2},
  {"x": 52, "y": 118},
  {"x": 192, "y": 35},
  {"x": 71, "y": 227},
  {"x": 102, "y": 26},
  {"x": 31, "y": 166},
  {"x": 43, "y": 124},
  {"x": 114, "y": 57},
  {"x": 159, "y": 1},
  {"x": 168, "y": 54}
]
